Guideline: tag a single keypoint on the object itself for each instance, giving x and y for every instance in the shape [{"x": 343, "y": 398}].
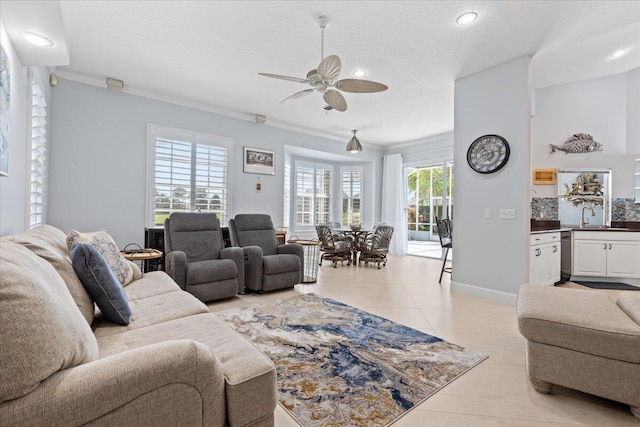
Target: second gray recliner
[{"x": 268, "y": 266}]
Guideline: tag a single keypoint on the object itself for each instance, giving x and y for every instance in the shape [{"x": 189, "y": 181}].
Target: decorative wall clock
[{"x": 488, "y": 154}]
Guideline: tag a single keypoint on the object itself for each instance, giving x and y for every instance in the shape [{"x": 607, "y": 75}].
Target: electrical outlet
[
  {"x": 507, "y": 214},
  {"x": 487, "y": 214}
]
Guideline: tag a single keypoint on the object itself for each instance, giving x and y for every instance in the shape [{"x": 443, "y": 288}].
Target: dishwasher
[{"x": 565, "y": 255}]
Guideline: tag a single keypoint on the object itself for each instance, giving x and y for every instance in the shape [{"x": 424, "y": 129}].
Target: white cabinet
[
  {"x": 606, "y": 254},
  {"x": 544, "y": 258}
]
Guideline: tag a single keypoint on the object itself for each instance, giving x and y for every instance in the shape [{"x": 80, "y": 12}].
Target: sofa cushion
[
  {"x": 49, "y": 244},
  {"x": 212, "y": 270},
  {"x": 42, "y": 329},
  {"x": 576, "y": 319},
  {"x": 283, "y": 263},
  {"x": 249, "y": 375},
  {"x": 629, "y": 302},
  {"x": 152, "y": 311},
  {"x": 151, "y": 284},
  {"x": 106, "y": 246},
  {"x": 97, "y": 277}
]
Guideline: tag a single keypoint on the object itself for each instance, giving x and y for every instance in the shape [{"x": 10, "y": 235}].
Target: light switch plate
[{"x": 507, "y": 214}]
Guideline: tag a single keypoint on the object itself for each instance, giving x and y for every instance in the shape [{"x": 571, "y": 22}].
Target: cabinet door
[
  {"x": 590, "y": 258},
  {"x": 552, "y": 261},
  {"x": 535, "y": 265},
  {"x": 623, "y": 259}
]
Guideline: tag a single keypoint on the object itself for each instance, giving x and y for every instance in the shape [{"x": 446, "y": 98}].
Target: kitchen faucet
[{"x": 584, "y": 221}]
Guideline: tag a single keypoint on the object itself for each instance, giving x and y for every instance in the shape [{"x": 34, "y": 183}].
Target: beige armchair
[{"x": 583, "y": 340}]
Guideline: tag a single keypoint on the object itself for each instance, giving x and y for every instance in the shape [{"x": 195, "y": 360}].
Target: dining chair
[
  {"x": 445, "y": 230},
  {"x": 332, "y": 247}
]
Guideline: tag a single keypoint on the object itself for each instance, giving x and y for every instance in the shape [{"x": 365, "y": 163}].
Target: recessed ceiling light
[
  {"x": 467, "y": 18},
  {"x": 36, "y": 39},
  {"x": 359, "y": 72},
  {"x": 618, "y": 53}
]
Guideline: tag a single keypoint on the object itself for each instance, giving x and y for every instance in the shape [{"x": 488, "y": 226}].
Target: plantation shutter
[
  {"x": 39, "y": 153},
  {"x": 189, "y": 176},
  {"x": 351, "y": 197},
  {"x": 312, "y": 194}
]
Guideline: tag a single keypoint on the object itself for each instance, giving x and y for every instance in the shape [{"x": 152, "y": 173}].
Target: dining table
[{"x": 357, "y": 234}]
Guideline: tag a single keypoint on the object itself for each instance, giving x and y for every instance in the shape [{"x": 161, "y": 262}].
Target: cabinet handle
[
  {"x": 555, "y": 249},
  {"x": 609, "y": 246},
  {"x": 605, "y": 246},
  {"x": 538, "y": 252}
]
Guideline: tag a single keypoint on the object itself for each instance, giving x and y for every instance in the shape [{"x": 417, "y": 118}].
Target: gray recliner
[
  {"x": 268, "y": 266},
  {"x": 196, "y": 258}
]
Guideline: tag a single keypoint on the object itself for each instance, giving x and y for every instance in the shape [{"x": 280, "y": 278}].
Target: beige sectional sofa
[
  {"x": 64, "y": 364},
  {"x": 583, "y": 340}
]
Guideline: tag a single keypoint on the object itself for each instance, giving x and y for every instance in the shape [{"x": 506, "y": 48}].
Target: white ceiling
[{"x": 208, "y": 53}]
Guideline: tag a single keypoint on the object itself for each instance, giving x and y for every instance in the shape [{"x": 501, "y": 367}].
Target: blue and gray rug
[{"x": 340, "y": 366}]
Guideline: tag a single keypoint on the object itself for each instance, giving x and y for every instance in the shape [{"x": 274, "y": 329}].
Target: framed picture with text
[{"x": 257, "y": 160}]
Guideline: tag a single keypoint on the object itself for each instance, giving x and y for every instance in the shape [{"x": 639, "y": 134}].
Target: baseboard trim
[{"x": 490, "y": 294}]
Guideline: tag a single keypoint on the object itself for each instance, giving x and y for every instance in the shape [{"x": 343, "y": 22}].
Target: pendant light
[{"x": 354, "y": 145}]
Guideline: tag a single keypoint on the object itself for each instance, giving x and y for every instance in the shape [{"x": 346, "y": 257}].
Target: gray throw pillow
[{"x": 98, "y": 278}]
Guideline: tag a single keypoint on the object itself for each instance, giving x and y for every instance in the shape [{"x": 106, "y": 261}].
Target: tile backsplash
[
  {"x": 621, "y": 209},
  {"x": 544, "y": 208}
]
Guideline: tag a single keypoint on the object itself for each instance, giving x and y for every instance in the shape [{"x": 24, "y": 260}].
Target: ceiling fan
[{"x": 323, "y": 79}]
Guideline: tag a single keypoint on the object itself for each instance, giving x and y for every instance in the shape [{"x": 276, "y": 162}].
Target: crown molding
[{"x": 250, "y": 117}]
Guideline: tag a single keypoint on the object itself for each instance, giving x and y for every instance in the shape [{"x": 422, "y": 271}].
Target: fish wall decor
[{"x": 578, "y": 143}]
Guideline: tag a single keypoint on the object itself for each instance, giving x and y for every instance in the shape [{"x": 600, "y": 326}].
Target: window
[
  {"x": 312, "y": 193},
  {"x": 351, "y": 195},
  {"x": 39, "y": 154},
  {"x": 189, "y": 172}
]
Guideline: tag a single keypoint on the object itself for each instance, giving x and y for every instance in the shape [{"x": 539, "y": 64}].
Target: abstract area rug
[{"x": 340, "y": 366}]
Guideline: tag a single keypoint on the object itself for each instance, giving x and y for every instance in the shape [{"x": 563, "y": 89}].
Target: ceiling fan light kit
[{"x": 323, "y": 79}]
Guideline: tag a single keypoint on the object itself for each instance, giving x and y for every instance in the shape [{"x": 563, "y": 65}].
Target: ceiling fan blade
[
  {"x": 330, "y": 67},
  {"x": 298, "y": 95},
  {"x": 278, "y": 76},
  {"x": 335, "y": 100},
  {"x": 360, "y": 86}
]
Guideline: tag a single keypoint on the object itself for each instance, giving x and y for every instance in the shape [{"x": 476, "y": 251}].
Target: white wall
[
  {"x": 429, "y": 152},
  {"x": 607, "y": 108},
  {"x": 98, "y": 177},
  {"x": 491, "y": 255},
  {"x": 13, "y": 187},
  {"x": 633, "y": 112}
]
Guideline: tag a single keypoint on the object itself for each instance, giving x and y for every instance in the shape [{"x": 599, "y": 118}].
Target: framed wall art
[
  {"x": 257, "y": 160},
  {"x": 5, "y": 95}
]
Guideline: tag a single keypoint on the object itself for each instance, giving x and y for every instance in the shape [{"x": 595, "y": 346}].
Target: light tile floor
[
  {"x": 494, "y": 393},
  {"x": 427, "y": 249}
]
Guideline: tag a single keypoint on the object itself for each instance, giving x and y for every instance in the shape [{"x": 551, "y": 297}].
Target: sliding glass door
[{"x": 429, "y": 195}]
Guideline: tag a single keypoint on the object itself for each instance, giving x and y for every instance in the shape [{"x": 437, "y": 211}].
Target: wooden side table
[{"x": 143, "y": 256}]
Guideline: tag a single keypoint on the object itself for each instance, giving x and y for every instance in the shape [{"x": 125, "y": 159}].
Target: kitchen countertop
[
  {"x": 626, "y": 229},
  {"x": 551, "y": 226}
]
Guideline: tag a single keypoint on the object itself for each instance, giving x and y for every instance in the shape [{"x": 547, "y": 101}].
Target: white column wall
[{"x": 491, "y": 255}]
